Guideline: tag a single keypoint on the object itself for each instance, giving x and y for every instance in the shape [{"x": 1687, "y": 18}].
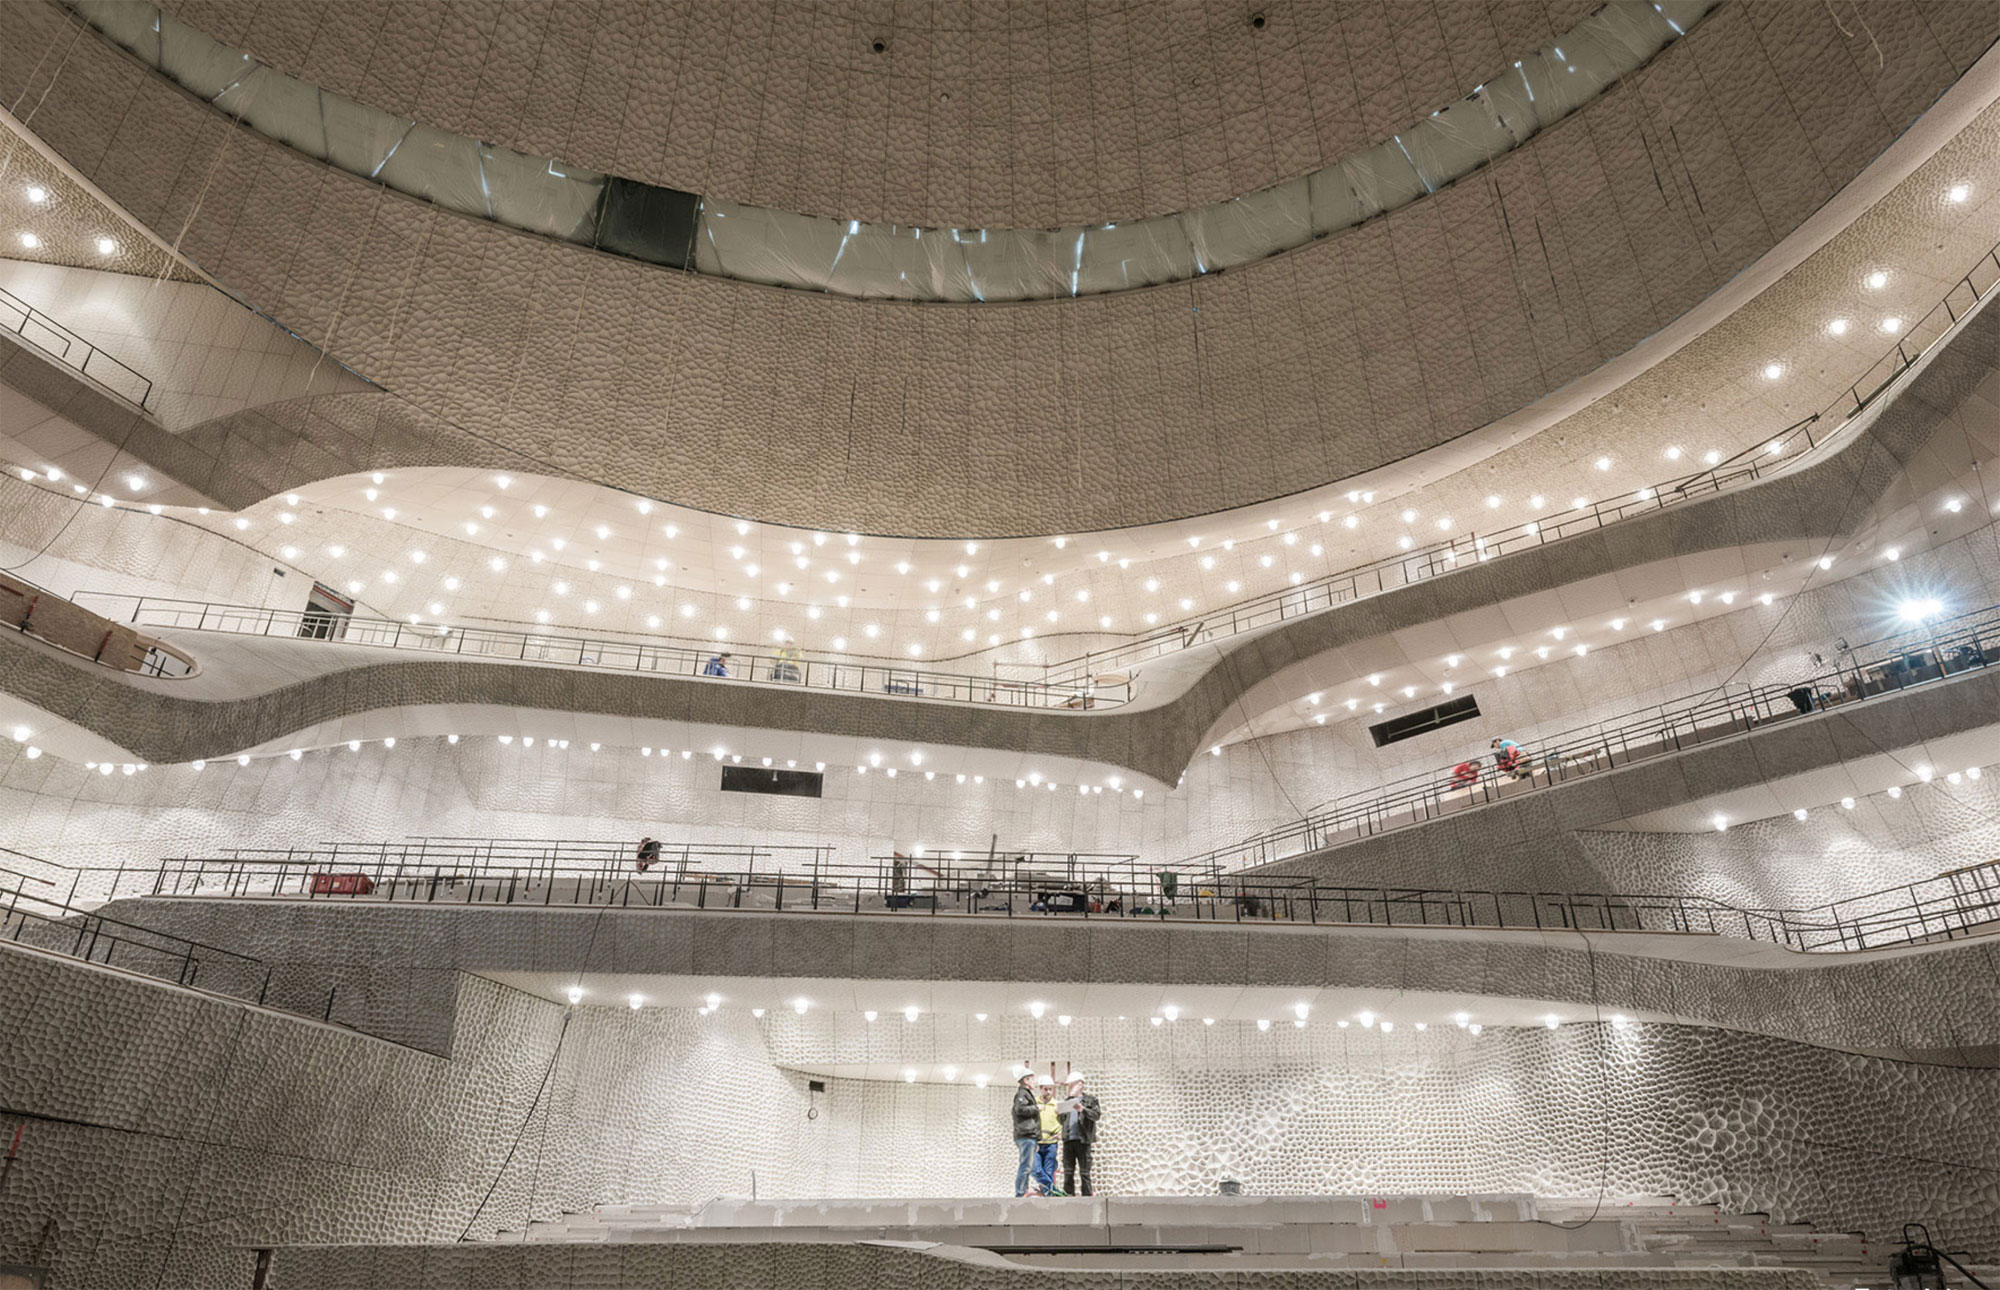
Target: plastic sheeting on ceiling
[{"x": 892, "y": 261}]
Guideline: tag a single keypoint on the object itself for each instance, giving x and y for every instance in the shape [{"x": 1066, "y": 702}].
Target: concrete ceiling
[
  {"x": 983, "y": 421},
  {"x": 1013, "y": 114}
]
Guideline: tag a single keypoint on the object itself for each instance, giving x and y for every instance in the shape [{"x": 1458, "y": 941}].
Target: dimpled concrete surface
[
  {"x": 166, "y": 1132},
  {"x": 1938, "y": 1002},
  {"x": 971, "y": 115},
  {"x": 1291, "y": 372},
  {"x": 842, "y": 1267},
  {"x": 1531, "y": 840},
  {"x": 1822, "y": 499}
]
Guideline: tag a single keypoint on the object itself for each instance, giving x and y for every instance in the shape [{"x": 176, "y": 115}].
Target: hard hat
[
  {"x": 1075, "y": 1077},
  {"x": 1044, "y": 1079}
]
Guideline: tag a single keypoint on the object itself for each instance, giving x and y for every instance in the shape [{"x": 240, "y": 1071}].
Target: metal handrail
[
  {"x": 1076, "y": 679},
  {"x": 1892, "y": 664},
  {"x": 44, "y": 923},
  {"x": 1075, "y": 683},
  {"x": 1746, "y": 466},
  {"x": 1960, "y": 903},
  {"x": 60, "y": 343},
  {"x": 510, "y": 645}
]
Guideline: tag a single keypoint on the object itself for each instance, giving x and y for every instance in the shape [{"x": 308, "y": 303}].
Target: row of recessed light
[
  {"x": 1924, "y": 774},
  {"x": 1039, "y": 1010},
  {"x": 37, "y": 195},
  {"x": 1507, "y": 652},
  {"x": 1115, "y": 783},
  {"x": 752, "y": 570},
  {"x": 723, "y": 633},
  {"x": 23, "y": 734},
  {"x": 1153, "y": 585}
]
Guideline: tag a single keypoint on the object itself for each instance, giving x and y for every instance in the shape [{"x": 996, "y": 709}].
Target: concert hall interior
[{"x": 789, "y": 644}]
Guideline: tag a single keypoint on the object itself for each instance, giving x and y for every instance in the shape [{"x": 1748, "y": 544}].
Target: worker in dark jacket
[
  {"x": 1027, "y": 1127},
  {"x": 1079, "y": 1133}
]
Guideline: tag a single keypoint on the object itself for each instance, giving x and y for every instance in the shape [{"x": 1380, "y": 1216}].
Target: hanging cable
[{"x": 548, "y": 1072}]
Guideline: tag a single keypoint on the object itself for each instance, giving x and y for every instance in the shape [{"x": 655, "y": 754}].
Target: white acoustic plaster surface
[
  {"x": 69, "y": 220},
  {"x": 612, "y": 1097},
  {"x": 1266, "y": 785},
  {"x": 1874, "y": 845},
  {"x": 205, "y": 354},
  {"x": 443, "y": 545},
  {"x": 926, "y": 445}
]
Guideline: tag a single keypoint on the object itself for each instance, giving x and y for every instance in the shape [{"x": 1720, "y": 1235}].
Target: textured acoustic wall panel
[
  {"x": 974, "y": 114},
  {"x": 1398, "y": 335},
  {"x": 969, "y": 115},
  {"x": 1939, "y": 1004},
  {"x": 164, "y": 1132},
  {"x": 808, "y": 1266}
]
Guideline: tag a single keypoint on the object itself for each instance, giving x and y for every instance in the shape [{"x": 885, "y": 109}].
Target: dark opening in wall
[
  {"x": 781, "y": 783},
  {"x": 1412, "y": 724}
]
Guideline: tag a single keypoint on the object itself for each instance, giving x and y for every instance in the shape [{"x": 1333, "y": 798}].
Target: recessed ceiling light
[
  {"x": 37, "y": 194},
  {"x": 1837, "y": 327},
  {"x": 30, "y": 241},
  {"x": 106, "y": 246},
  {"x": 1892, "y": 325},
  {"x": 1772, "y": 371},
  {"x": 1876, "y": 280},
  {"x": 1958, "y": 192}
]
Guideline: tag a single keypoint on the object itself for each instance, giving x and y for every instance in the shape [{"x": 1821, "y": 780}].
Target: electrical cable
[
  {"x": 194, "y": 208},
  {"x": 1603, "y": 1093},
  {"x": 548, "y": 1072}
]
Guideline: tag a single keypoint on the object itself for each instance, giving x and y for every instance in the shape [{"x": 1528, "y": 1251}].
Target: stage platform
[{"x": 1259, "y": 1234}]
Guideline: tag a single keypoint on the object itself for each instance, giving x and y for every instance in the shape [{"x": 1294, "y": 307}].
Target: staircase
[{"x": 1680, "y": 1235}]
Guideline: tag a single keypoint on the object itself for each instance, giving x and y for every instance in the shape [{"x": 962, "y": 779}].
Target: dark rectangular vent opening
[
  {"x": 649, "y": 223},
  {"x": 783, "y": 783},
  {"x": 1412, "y": 724}
]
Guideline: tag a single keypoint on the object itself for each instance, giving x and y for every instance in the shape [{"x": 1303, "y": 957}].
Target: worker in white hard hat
[
  {"x": 1048, "y": 1137},
  {"x": 1080, "y": 1113},
  {"x": 1027, "y": 1126}
]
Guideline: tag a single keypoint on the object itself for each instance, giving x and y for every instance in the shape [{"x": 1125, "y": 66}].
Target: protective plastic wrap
[
  {"x": 540, "y": 195},
  {"x": 895, "y": 261}
]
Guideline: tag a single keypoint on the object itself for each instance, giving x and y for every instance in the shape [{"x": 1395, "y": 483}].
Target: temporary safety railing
[
  {"x": 72, "y": 350},
  {"x": 1881, "y": 667},
  {"x": 481, "y": 871},
  {"x": 720, "y": 663},
  {"x": 1102, "y": 678},
  {"x": 34, "y": 912},
  {"x": 1747, "y": 466},
  {"x": 1033, "y": 884}
]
